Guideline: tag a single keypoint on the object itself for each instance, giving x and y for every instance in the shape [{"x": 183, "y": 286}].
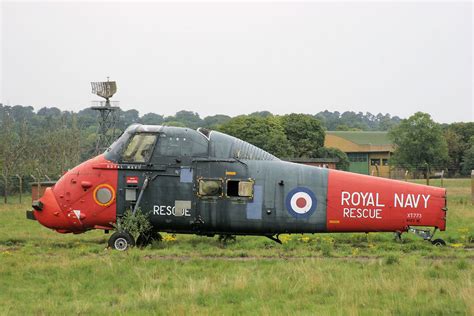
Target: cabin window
[
  {"x": 240, "y": 188},
  {"x": 139, "y": 148},
  {"x": 384, "y": 162},
  {"x": 210, "y": 187}
]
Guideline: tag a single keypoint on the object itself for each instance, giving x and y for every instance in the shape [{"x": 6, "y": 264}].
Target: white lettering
[
  {"x": 361, "y": 199},
  {"x": 346, "y": 212},
  {"x": 398, "y": 200},
  {"x": 426, "y": 198},
  {"x": 369, "y": 213},
  {"x": 415, "y": 200},
  {"x": 345, "y": 196},
  {"x": 364, "y": 197},
  {"x": 410, "y": 200},
  {"x": 377, "y": 201},
  {"x": 168, "y": 210},
  {"x": 370, "y": 200},
  {"x": 355, "y": 194}
]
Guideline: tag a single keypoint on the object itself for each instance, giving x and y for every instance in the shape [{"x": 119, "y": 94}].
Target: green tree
[
  {"x": 419, "y": 144},
  {"x": 261, "y": 114},
  {"x": 13, "y": 145},
  {"x": 174, "y": 123},
  {"x": 331, "y": 152},
  {"x": 215, "y": 120},
  {"x": 264, "y": 132},
  {"x": 151, "y": 119},
  {"x": 468, "y": 158},
  {"x": 186, "y": 118},
  {"x": 58, "y": 148},
  {"x": 458, "y": 137},
  {"x": 455, "y": 151},
  {"x": 304, "y": 132}
]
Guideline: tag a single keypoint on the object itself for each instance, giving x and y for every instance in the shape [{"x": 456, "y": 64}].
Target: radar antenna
[{"x": 107, "y": 118}]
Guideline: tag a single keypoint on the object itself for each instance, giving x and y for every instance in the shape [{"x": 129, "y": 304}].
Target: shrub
[{"x": 134, "y": 224}]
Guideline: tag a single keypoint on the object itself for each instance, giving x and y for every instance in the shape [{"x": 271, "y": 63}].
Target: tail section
[{"x": 359, "y": 203}]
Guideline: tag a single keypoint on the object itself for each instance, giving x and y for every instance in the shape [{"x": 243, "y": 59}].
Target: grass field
[{"x": 43, "y": 272}]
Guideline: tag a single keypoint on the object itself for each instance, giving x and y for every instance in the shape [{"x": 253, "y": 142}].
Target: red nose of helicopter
[
  {"x": 83, "y": 199},
  {"x": 48, "y": 212}
]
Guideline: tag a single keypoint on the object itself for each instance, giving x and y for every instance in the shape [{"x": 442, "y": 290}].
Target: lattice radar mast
[{"x": 107, "y": 118}]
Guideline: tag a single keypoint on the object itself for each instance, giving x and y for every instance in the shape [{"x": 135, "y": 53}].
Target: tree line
[
  {"x": 423, "y": 145},
  {"x": 48, "y": 142}
]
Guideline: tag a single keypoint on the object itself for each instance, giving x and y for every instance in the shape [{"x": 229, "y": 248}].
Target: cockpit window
[{"x": 139, "y": 148}]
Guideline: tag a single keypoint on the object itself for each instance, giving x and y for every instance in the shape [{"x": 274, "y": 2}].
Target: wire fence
[{"x": 23, "y": 187}]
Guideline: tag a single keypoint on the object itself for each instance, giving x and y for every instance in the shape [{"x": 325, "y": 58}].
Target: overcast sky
[{"x": 237, "y": 58}]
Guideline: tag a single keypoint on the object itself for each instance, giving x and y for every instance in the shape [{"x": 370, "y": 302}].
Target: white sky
[{"x": 235, "y": 58}]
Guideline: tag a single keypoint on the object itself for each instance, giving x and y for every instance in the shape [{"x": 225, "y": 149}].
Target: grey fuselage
[{"x": 183, "y": 159}]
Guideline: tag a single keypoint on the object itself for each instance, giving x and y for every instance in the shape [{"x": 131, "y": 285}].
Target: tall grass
[{"x": 43, "y": 272}]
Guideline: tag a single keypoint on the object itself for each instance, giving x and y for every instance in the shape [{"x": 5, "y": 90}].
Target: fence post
[
  {"x": 442, "y": 178},
  {"x": 5, "y": 189},
  {"x": 427, "y": 174},
  {"x": 21, "y": 186},
  {"x": 472, "y": 186},
  {"x": 406, "y": 175}
]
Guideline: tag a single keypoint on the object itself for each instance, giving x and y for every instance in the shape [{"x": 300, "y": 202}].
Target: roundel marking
[
  {"x": 301, "y": 202},
  {"x": 104, "y": 194}
]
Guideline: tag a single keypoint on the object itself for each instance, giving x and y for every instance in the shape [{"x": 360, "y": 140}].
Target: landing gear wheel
[
  {"x": 398, "y": 237},
  {"x": 121, "y": 241},
  {"x": 438, "y": 242},
  {"x": 144, "y": 240}
]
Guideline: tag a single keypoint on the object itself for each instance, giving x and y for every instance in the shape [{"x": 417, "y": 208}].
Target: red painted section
[
  {"x": 360, "y": 203},
  {"x": 69, "y": 206},
  {"x": 132, "y": 180}
]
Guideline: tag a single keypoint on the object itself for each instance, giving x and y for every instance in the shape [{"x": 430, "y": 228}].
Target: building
[
  {"x": 368, "y": 152},
  {"x": 329, "y": 163}
]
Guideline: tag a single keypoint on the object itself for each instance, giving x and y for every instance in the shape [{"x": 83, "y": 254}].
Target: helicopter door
[
  {"x": 167, "y": 197},
  {"x": 219, "y": 207},
  {"x": 134, "y": 168},
  {"x": 171, "y": 191}
]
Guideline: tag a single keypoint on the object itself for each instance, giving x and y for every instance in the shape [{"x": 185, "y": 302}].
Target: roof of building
[
  {"x": 358, "y": 141},
  {"x": 363, "y": 138}
]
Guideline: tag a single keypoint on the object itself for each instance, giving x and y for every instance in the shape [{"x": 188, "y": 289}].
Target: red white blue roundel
[{"x": 301, "y": 202}]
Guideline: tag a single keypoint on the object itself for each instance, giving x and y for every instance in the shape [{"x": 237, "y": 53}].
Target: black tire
[
  {"x": 144, "y": 240},
  {"x": 121, "y": 241},
  {"x": 438, "y": 242}
]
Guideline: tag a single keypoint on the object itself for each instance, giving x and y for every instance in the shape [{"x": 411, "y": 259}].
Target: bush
[{"x": 134, "y": 224}]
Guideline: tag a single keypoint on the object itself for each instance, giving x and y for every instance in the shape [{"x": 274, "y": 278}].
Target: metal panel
[{"x": 254, "y": 208}]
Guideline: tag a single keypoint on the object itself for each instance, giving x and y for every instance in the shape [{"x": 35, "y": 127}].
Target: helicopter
[{"x": 208, "y": 183}]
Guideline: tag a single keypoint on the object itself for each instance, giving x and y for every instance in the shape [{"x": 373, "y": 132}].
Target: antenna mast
[{"x": 107, "y": 117}]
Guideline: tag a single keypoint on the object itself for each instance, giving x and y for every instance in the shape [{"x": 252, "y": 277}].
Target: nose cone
[{"x": 51, "y": 215}]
